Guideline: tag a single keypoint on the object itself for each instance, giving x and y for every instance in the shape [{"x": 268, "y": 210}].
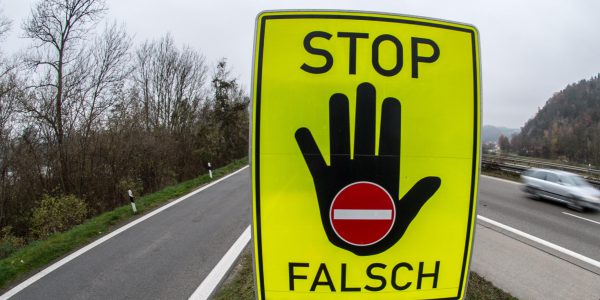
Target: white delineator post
[
  {"x": 132, "y": 201},
  {"x": 209, "y": 170}
]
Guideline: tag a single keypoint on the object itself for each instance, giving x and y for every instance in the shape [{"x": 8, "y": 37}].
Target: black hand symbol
[{"x": 382, "y": 169}]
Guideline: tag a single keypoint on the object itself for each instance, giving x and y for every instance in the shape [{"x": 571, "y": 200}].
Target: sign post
[{"x": 365, "y": 155}]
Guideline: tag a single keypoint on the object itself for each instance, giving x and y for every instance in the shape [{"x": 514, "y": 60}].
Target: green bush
[
  {"x": 8, "y": 242},
  {"x": 130, "y": 183},
  {"x": 57, "y": 214}
]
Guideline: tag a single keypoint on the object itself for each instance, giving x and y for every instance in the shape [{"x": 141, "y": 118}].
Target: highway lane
[
  {"x": 504, "y": 202},
  {"x": 164, "y": 257}
]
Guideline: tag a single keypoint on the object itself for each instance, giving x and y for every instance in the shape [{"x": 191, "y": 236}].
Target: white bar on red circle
[{"x": 362, "y": 214}]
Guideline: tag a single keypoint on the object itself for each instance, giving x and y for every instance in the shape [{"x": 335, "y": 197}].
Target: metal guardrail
[
  {"x": 518, "y": 165},
  {"x": 543, "y": 164}
]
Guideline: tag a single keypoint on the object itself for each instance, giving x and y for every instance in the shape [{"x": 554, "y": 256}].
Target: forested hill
[
  {"x": 490, "y": 133},
  {"x": 567, "y": 127}
]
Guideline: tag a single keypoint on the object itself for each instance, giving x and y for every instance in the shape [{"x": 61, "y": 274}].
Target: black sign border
[{"x": 256, "y": 129}]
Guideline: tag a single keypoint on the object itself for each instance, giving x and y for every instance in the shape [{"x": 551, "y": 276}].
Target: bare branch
[
  {"x": 5, "y": 25},
  {"x": 172, "y": 82},
  {"x": 58, "y": 26}
]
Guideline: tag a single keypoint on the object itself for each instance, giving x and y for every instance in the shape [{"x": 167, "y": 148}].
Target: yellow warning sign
[{"x": 365, "y": 155}]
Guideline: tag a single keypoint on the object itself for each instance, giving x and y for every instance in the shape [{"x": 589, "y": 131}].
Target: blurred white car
[{"x": 561, "y": 186}]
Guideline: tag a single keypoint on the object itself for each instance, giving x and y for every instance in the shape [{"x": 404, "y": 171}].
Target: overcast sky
[{"x": 529, "y": 49}]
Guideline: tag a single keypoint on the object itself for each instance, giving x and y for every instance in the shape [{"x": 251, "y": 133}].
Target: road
[
  {"x": 505, "y": 202},
  {"x": 535, "y": 269},
  {"x": 168, "y": 255},
  {"x": 164, "y": 257}
]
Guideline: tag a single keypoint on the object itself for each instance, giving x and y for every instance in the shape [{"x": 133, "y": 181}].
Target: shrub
[
  {"x": 57, "y": 214},
  {"x": 134, "y": 184},
  {"x": 8, "y": 242}
]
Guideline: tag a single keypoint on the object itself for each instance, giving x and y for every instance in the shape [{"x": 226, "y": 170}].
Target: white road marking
[
  {"x": 576, "y": 216},
  {"x": 500, "y": 179},
  {"x": 542, "y": 242},
  {"x": 208, "y": 285},
  {"x": 362, "y": 214},
  {"x": 103, "y": 239}
]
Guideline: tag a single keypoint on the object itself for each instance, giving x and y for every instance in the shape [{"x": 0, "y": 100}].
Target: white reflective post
[{"x": 132, "y": 199}]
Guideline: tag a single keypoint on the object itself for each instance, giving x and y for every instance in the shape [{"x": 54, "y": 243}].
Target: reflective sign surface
[{"x": 365, "y": 151}]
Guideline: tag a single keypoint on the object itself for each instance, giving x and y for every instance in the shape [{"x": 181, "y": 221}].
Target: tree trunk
[{"x": 62, "y": 156}]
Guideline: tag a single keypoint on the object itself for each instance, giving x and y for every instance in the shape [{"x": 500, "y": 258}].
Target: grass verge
[
  {"x": 501, "y": 174},
  {"x": 38, "y": 254},
  {"x": 240, "y": 284},
  {"x": 481, "y": 289}
]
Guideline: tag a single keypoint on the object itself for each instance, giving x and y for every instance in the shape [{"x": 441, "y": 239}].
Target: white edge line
[
  {"x": 208, "y": 285},
  {"x": 362, "y": 214},
  {"x": 543, "y": 242},
  {"x": 500, "y": 179},
  {"x": 576, "y": 216},
  {"x": 83, "y": 250}
]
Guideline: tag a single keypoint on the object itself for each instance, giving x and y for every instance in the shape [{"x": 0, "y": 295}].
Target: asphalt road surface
[
  {"x": 164, "y": 257},
  {"x": 168, "y": 255},
  {"x": 535, "y": 269},
  {"x": 504, "y": 202}
]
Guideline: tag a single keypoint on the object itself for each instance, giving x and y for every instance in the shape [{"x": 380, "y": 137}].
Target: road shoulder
[{"x": 502, "y": 260}]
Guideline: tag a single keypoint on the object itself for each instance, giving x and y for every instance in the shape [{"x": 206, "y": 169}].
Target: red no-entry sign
[{"x": 362, "y": 213}]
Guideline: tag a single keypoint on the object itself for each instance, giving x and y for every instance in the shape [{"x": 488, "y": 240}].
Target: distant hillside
[
  {"x": 567, "y": 127},
  {"x": 491, "y": 133}
]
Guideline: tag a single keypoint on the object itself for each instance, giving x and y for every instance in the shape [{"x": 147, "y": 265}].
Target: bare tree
[
  {"x": 91, "y": 118},
  {"x": 110, "y": 67},
  {"x": 171, "y": 83},
  {"x": 101, "y": 87},
  {"x": 503, "y": 143},
  {"x": 169, "y": 90},
  {"x": 8, "y": 93},
  {"x": 5, "y": 67},
  {"x": 4, "y": 25},
  {"x": 57, "y": 28}
]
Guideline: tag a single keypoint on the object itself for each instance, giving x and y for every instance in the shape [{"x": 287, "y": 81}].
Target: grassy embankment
[
  {"x": 38, "y": 254},
  {"x": 501, "y": 174}
]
